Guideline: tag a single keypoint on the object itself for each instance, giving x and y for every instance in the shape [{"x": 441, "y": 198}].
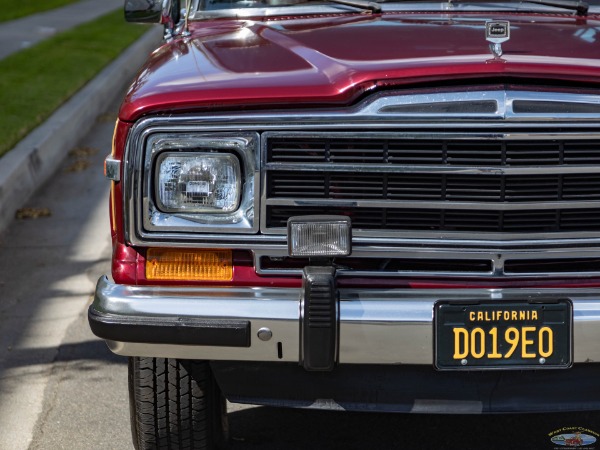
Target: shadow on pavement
[
  {"x": 82, "y": 351},
  {"x": 277, "y": 428}
]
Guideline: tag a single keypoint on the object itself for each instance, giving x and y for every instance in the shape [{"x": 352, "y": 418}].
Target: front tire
[{"x": 175, "y": 404}]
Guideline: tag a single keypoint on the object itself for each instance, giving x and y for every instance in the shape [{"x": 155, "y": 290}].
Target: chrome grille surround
[{"x": 543, "y": 117}]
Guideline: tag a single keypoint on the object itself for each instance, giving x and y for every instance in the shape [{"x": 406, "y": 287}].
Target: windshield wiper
[
  {"x": 575, "y": 5},
  {"x": 375, "y": 8}
]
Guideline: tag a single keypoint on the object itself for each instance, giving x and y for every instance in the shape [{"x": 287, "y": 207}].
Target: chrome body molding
[
  {"x": 496, "y": 258},
  {"x": 377, "y": 326},
  {"x": 388, "y": 109}
]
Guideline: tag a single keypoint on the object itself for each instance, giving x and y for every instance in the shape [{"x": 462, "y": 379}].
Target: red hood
[{"x": 333, "y": 59}]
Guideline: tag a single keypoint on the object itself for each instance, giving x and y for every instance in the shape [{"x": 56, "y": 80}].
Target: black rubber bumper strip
[{"x": 170, "y": 330}]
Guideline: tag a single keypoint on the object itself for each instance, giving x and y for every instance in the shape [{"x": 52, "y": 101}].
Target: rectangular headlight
[
  {"x": 198, "y": 182},
  {"x": 319, "y": 236}
]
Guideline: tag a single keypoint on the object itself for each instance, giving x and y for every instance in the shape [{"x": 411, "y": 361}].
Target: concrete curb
[{"x": 37, "y": 157}]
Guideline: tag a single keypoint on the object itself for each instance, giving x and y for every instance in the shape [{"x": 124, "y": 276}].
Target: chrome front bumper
[{"x": 376, "y": 326}]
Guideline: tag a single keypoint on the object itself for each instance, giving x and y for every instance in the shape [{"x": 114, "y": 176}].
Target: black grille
[
  {"x": 439, "y": 187},
  {"x": 420, "y": 191},
  {"x": 551, "y": 220},
  {"x": 559, "y": 265},
  {"x": 386, "y": 265},
  {"x": 444, "y": 152}
]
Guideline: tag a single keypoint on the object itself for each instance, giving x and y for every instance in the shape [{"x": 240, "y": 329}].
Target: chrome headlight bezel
[{"x": 156, "y": 218}]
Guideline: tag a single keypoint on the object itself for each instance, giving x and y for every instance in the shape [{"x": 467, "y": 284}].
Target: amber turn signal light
[{"x": 189, "y": 265}]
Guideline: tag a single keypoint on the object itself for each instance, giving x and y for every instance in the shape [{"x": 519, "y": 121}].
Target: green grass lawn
[
  {"x": 13, "y": 9},
  {"x": 36, "y": 81}
]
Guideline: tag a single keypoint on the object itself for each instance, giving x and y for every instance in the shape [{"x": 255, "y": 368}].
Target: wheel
[{"x": 175, "y": 404}]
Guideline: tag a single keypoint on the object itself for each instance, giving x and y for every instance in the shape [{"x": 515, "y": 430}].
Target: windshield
[{"x": 200, "y": 7}]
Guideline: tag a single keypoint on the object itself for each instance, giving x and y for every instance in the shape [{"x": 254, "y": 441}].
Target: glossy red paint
[
  {"x": 333, "y": 59},
  {"x": 116, "y": 209},
  {"x": 129, "y": 267},
  {"x": 119, "y": 139},
  {"x": 124, "y": 264}
]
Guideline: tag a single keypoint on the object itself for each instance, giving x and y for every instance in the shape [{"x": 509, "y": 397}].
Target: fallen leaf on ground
[
  {"x": 32, "y": 213},
  {"x": 79, "y": 166},
  {"x": 83, "y": 152},
  {"x": 105, "y": 118}
]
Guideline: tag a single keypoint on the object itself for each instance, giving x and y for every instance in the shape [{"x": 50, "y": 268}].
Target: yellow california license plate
[{"x": 503, "y": 335}]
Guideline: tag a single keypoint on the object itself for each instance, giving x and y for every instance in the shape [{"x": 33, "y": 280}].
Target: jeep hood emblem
[{"x": 497, "y": 32}]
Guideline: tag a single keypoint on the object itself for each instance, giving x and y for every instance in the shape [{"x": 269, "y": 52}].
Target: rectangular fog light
[{"x": 319, "y": 236}]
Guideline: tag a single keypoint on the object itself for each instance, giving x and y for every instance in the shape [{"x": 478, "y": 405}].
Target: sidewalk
[
  {"x": 36, "y": 158},
  {"x": 27, "y": 31}
]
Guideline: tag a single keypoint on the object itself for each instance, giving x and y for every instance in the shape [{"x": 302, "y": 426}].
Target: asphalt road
[{"x": 60, "y": 387}]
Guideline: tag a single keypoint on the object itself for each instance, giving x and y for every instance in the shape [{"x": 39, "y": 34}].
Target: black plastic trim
[
  {"x": 319, "y": 324},
  {"x": 170, "y": 330}
]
